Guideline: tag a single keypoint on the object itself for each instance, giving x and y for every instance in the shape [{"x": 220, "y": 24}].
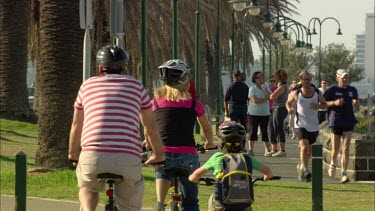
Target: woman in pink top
[{"x": 176, "y": 113}]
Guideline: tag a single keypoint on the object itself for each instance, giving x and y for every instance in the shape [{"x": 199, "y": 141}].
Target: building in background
[
  {"x": 365, "y": 57},
  {"x": 370, "y": 45},
  {"x": 360, "y": 48}
]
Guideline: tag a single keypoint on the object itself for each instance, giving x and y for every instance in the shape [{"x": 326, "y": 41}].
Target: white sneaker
[
  {"x": 269, "y": 153},
  {"x": 280, "y": 154},
  {"x": 301, "y": 175},
  {"x": 344, "y": 178},
  {"x": 332, "y": 170}
]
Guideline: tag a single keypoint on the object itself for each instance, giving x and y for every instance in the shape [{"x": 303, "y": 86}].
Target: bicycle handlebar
[
  {"x": 210, "y": 181},
  {"x": 200, "y": 148},
  {"x": 207, "y": 181},
  {"x": 262, "y": 178}
]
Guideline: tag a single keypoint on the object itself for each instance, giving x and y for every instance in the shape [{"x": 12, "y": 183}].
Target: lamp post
[
  {"x": 239, "y": 5},
  {"x": 320, "y": 22},
  {"x": 218, "y": 63},
  {"x": 175, "y": 29}
]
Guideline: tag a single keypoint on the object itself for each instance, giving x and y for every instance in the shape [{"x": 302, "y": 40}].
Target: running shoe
[
  {"x": 344, "y": 178},
  {"x": 301, "y": 175},
  {"x": 308, "y": 176},
  {"x": 332, "y": 170},
  {"x": 269, "y": 153},
  {"x": 280, "y": 154}
]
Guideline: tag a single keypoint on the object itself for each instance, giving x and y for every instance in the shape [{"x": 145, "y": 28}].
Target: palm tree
[
  {"x": 14, "y": 27},
  {"x": 58, "y": 41}
]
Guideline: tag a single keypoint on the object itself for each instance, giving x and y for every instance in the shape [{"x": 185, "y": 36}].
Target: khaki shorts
[
  {"x": 129, "y": 193},
  {"x": 214, "y": 205}
]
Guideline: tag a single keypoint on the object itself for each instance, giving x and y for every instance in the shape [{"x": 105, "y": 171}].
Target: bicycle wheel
[{"x": 174, "y": 206}]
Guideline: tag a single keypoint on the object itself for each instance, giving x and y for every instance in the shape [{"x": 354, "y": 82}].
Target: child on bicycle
[{"x": 231, "y": 134}]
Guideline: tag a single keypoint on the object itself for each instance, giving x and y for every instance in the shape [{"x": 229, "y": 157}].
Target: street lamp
[
  {"x": 285, "y": 41},
  {"x": 239, "y": 5},
  {"x": 320, "y": 22},
  {"x": 244, "y": 35},
  {"x": 254, "y": 8}
]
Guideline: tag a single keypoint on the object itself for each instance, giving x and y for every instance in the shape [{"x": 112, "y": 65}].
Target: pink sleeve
[{"x": 199, "y": 108}]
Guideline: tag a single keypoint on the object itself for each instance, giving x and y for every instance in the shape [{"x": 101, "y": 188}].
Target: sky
[{"x": 351, "y": 15}]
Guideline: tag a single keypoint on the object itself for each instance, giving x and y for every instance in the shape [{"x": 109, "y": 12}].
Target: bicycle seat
[
  {"x": 178, "y": 171},
  {"x": 109, "y": 176}
]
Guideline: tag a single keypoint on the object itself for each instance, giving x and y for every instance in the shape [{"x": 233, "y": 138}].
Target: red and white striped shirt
[{"x": 111, "y": 106}]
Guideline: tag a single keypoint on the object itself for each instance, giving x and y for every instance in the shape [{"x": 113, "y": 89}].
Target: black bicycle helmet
[
  {"x": 112, "y": 57},
  {"x": 172, "y": 71},
  {"x": 231, "y": 134}
]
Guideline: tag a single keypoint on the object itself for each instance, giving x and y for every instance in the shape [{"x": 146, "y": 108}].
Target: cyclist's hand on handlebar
[
  {"x": 146, "y": 145},
  {"x": 155, "y": 160},
  {"x": 73, "y": 158},
  {"x": 208, "y": 145},
  {"x": 267, "y": 177}
]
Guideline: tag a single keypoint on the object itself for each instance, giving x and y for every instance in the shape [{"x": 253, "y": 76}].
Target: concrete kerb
[{"x": 42, "y": 204}]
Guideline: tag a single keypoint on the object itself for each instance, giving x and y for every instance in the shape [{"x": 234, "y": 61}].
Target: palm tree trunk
[
  {"x": 59, "y": 77},
  {"x": 13, "y": 60}
]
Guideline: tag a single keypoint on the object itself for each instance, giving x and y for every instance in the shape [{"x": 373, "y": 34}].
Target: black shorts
[
  {"x": 304, "y": 134},
  {"x": 340, "y": 131}
]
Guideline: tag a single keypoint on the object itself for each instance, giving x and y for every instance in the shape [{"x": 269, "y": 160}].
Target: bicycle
[
  {"x": 110, "y": 179},
  {"x": 174, "y": 203}
]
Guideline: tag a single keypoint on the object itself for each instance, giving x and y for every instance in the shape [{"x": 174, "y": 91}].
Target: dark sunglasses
[
  {"x": 272, "y": 81},
  {"x": 324, "y": 83}
]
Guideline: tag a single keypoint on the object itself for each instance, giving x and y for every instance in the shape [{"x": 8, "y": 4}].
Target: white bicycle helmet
[{"x": 172, "y": 71}]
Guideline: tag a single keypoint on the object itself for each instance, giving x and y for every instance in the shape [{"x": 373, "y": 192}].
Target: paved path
[{"x": 281, "y": 166}]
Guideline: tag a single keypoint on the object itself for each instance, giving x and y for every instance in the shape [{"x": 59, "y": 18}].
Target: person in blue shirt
[
  {"x": 259, "y": 112},
  {"x": 340, "y": 100}
]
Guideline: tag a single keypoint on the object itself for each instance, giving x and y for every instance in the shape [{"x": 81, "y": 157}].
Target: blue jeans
[{"x": 189, "y": 190}]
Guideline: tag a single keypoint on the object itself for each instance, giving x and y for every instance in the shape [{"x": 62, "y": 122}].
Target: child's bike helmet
[{"x": 232, "y": 134}]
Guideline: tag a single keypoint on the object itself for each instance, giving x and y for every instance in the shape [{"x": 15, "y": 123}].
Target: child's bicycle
[
  {"x": 110, "y": 179},
  {"x": 174, "y": 203}
]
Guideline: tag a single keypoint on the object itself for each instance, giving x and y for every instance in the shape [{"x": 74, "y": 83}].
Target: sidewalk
[{"x": 281, "y": 166}]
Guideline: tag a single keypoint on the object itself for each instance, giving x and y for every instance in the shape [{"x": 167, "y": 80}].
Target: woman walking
[
  {"x": 258, "y": 111},
  {"x": 279, "y": 113}
]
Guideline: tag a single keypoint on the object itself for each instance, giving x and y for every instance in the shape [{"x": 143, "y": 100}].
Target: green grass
[{"x": 272, "y": 195}]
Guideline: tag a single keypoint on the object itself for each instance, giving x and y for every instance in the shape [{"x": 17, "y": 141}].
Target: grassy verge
[{"x": 272, "y": 195}]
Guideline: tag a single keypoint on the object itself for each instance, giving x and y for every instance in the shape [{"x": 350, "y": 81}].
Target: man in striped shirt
[{"x": 106, "y": 126}]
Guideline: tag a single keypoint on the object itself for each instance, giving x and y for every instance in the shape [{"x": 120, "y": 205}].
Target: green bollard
[
  {"x": 317, "y": 179},
  {"x": 20, "y": 182}
]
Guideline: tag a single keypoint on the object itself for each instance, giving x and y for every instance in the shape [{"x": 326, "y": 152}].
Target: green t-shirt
[{"x": 216, "y": 161}]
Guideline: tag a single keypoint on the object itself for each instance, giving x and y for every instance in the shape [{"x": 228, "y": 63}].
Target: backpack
[{"x": 235, "y": 190}]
